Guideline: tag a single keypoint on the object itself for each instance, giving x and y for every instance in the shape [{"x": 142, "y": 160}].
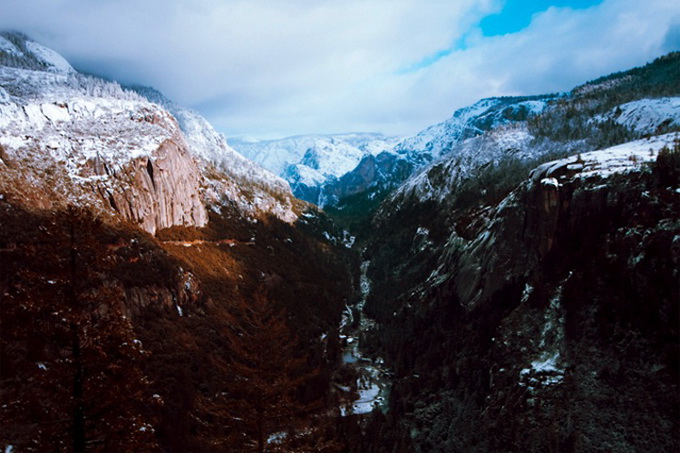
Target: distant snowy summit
[
  {"x": 323, "y": 169},
  {"x": 310, "y": 162},
  {"x": 326, "y": 170}
]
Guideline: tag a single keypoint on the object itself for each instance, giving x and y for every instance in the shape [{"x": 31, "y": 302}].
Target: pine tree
[
  {"x": 72, "y": 376},
  {"x": 268, "y": 371}
]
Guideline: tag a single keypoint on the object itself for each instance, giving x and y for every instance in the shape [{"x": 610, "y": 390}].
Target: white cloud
[{"x": 263, "y": 67}]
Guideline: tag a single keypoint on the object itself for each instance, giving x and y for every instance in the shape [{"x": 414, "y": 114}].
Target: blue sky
[
  {"x": 512, "y": 16},
  {"x": 270, "y": 68},
  {"x": 516, "y": 15}
]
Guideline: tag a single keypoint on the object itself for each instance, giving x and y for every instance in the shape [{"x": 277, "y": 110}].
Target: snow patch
[
  {"x": 546, "y": 369},
  {"x": 4, "y": 96},
  {"x": 277, "y": 438},
  {"x": 647, "y": 115},
  {"x": 56, "y": 62},
  {"x": 368, "y": 398},
  {"x": 55, "y": 113},
  {"x": 604, "y": 163},
  {"x": 550, "y": 182}
]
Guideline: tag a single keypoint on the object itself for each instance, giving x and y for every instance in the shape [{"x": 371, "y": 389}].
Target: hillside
[
  {"x": 505, "y": 280},
  {"x": 536, "y": 264},
  {"x": 134, "y": 245}
]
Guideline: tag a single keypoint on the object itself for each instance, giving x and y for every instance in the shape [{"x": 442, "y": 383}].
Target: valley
[{"x": 505, "y": 280}]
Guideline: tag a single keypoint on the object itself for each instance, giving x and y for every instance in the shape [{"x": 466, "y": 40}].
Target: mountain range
[{"x": 505, "y": 280}]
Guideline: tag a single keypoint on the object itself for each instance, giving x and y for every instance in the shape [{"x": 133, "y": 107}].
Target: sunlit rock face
[
  {"x": 124, "y": 155},
  {"x": 69, "y": 138}
]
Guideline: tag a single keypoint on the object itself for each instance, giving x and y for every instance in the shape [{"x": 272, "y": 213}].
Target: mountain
[
  {"x": 506, "y": 280},
  {"x": 311, "y": 162},
  {"x": 523, "y": 284},
  {"x": 326, "y": 169},
  {"x": 133, "y": 242},
  {"x": 114, "y": 149},
  {"x": 615, "y": 114}
]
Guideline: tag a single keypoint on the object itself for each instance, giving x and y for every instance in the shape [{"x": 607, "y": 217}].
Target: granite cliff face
[
  {"x": 125, "y": 156},
  {"x": 158, "y": 191}
]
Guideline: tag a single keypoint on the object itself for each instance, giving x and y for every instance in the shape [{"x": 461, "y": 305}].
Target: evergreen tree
[
  {"x": 71, "y": 367},
  {"x": 268, "y": 372}
]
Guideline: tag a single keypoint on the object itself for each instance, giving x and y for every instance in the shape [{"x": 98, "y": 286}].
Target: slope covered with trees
[{"x": 544, "y": 298}]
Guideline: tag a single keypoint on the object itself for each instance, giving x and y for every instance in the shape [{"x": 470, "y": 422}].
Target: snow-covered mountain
[
  {"x": 344, "y": 150},
  {"x": 256, "y": 187},
  {"x": 309, "y": 162},
  {"x": 153, "y": 162},
  {"x": 324, "y": 169},
  {"x": 382, "y": 172},
  {"x": 468, "y": 122}
]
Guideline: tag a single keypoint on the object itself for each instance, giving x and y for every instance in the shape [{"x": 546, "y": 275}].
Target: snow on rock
[
  {"x": 547, "y": 369},
  {"x": 468, "y": 122},
  {"x": 312, "y": 161},
  {"x": 302, "y": 174},
  {"x": 648, "y": 115},
  {"x": 117, "y": 154},
  {"x": 120, "y": 150},
  {"x": 255, "y": 190},
  {"x": 7, "y": 47},
  {"x": 278, "y": 155},
  {"x": 440, "y": 178},
  {"x": 604, "y": 163},
  {"x": 55, "y": 113},
  {"x": 277, "y": 438},
  {"x": 368, "y": 398},
  {"x": 52, "y": 59}
]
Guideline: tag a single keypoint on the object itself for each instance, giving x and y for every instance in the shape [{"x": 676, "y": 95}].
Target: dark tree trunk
[
  {"x": 260, "y": 428},
  {"x": 78, "y": 411}
]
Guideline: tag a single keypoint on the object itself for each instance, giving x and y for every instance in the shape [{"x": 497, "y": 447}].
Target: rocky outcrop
[
  {"x": 383, "y": 171},
  {"x": 155, "y": 192},
  {"x": 556, "y": 204},
  {"x": 113, "y": 152}
]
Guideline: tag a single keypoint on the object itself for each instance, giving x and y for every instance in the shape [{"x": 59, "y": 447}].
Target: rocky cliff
[
  {"x": 125, "y": 156},
  {"x": 92, "y": 306}
]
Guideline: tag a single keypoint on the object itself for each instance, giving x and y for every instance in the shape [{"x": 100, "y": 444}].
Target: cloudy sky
[{"x": 271, "y": 68}]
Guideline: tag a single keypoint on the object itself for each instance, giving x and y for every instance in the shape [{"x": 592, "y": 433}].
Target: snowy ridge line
[
  {"x": 278, "y": 155},
  {"x": 465, "y": 158},
  {"x": 647, "y": 115},
  {"x": 467, "y": 122},
  {"x": 606, "y": 162},
  {"x": 212, "y": 147}
]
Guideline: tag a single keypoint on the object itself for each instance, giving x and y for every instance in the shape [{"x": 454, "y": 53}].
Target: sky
[{"x": 274, "y": 68}]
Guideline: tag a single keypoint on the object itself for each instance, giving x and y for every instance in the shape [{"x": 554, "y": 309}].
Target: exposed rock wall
[
  {"x": 157, "y": 191},
  {"x": 124, "y": 156}
]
